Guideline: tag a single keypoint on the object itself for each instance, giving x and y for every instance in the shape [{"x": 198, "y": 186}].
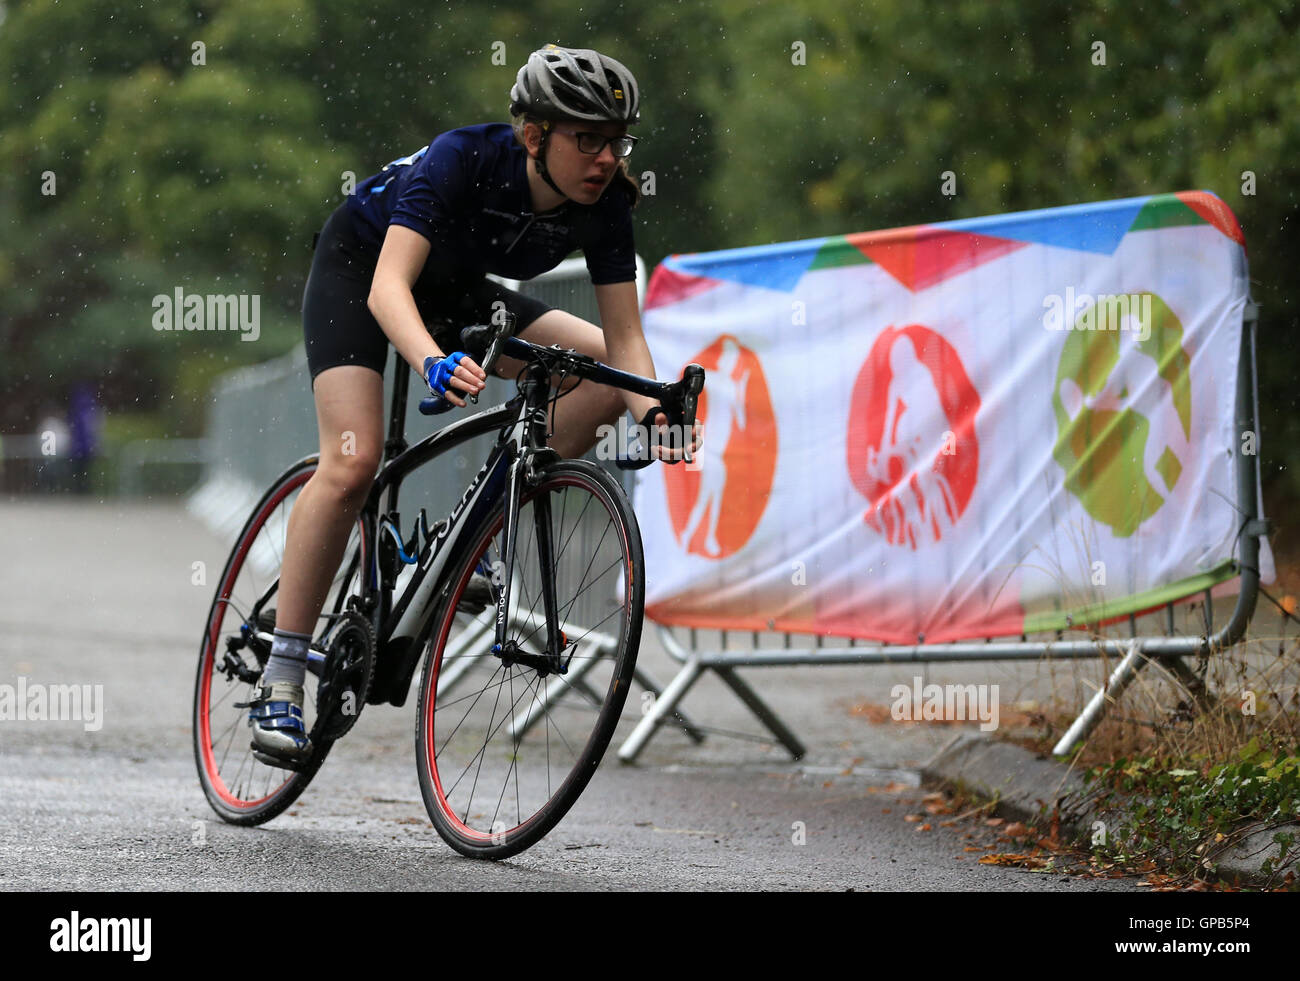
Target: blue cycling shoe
[{"x": 279, "y": 736}]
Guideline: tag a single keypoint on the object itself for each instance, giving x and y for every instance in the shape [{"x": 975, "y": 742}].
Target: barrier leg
[
  {"x": 457, "y": 659},
  {"x": 1195, "y": 687},
  {"x": 764, "y": 712},
  {"x": 659, "y": 711},
  {"x": 679, "y": 717},
  {"x": 1123, "y": 675}
]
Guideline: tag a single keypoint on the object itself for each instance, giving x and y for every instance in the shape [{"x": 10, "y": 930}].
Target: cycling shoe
[{"x": 279, "y": 736}]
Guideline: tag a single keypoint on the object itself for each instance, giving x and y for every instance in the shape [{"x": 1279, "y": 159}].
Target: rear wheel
[
  {"x": 507, "y": 741},
  {"x": 235, "y": 648}
]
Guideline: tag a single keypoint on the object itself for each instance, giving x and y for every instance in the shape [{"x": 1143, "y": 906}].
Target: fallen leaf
[
  {"x": 925, "y": 827},
  {"x": 912, "y": 818},
  {"x": 1015, "y": 860},
  {"x": 886, "y": 810},
  {"x": 994, "y": 822},
  {"x": 1016, "y": 829}
]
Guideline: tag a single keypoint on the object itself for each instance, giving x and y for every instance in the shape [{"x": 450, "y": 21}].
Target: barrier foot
[
  {"x": 659, "y": 711},
  {"x": 1123, "y": 675},
  {"x": 679, "y": 717},
  {"x": 1187, "y": 677},
  {"x": 760, "y": 708}
]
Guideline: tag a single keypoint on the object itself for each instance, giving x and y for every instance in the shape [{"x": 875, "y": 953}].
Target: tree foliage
[{"x": 210, "y": 167}]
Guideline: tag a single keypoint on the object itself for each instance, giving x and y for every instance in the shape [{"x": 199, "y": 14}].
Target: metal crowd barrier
[{"x": 1134, "y": 652}]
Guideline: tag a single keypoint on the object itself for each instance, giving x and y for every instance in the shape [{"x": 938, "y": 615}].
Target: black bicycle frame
[{"x": 406, "y": 620}]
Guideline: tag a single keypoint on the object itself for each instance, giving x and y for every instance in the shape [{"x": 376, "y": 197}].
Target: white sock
[{"x": 288, "y": 658}]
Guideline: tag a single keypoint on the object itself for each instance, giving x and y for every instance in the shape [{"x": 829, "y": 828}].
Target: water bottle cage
[{"x": 393, "y": 552}]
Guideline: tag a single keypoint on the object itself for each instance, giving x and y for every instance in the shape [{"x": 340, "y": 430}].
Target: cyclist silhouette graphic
[
  {"x": 910, "y": 443},
  {"x": 726, "y": 414},
  {"x": 1135, "y": 371}
]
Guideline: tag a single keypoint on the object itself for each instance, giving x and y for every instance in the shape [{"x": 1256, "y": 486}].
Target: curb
[{"x": 1024, "y": 785}]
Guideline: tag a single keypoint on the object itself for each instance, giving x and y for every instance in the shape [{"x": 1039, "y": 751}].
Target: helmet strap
[{"x": 541, "y": 160}]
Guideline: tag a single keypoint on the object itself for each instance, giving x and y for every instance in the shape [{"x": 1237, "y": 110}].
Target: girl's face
[{"x": 581, "y": 176}]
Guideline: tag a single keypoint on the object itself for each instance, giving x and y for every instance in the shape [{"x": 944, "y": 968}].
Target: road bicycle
[{"x": 525, "y": 604}]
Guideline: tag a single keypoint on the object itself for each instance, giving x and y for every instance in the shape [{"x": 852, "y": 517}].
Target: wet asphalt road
[{"x": 101, "y": 593}]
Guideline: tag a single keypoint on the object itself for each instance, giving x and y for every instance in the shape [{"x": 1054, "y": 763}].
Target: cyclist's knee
[{"x": 348, "y": 475}]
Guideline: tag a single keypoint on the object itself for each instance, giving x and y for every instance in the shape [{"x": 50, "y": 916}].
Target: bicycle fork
[{"x": 522, "y": 472}]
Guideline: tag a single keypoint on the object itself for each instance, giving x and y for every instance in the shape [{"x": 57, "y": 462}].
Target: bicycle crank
[{"x": 345, "y": 677}]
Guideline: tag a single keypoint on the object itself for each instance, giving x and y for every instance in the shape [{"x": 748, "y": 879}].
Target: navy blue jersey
[{"x": 467, "y": 193}]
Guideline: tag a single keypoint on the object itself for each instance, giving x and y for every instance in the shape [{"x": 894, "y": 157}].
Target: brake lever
[
  {"x": 692, "y": 386},
  {"x": 679, "y": 405},
  {"x": 491, "y": 340}
]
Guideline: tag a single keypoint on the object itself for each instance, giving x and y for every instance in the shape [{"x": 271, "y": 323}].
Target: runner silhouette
[{"x": 726, "y": 414}]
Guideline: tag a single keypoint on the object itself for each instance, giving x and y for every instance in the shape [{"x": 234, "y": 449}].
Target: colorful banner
[{"x": 978, "y": 428}]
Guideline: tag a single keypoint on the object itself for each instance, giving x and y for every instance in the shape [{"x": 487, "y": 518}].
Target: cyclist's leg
[
  {"x": 346, "y": 353},
  {"x": 579, "y": 414},
  {"x": 349, "y": 415}
]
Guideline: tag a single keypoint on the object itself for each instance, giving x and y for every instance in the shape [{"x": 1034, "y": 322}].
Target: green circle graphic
[{"x": 1102, "y": 450}]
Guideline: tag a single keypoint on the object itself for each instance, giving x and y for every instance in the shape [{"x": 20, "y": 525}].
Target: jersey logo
[{"x": 407, "y": 161}]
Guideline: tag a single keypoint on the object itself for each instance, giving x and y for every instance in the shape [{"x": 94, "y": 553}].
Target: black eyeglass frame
[{"x": 587, "y": 136}]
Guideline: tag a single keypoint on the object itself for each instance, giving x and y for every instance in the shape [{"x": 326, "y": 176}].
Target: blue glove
[{"x": 437, "y": 373}]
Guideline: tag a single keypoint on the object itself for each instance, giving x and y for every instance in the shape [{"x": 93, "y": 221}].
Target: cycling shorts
[{"x": 339, "y": 328}]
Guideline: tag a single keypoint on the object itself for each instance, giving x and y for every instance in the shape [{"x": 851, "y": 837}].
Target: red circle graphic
[{"x": 912, "y": 449}]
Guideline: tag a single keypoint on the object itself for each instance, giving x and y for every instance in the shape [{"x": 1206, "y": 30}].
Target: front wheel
[{"x": 506, "y": 744}]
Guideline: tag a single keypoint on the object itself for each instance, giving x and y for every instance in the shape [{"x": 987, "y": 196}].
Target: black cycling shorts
[{"x": 339, "y": 328}]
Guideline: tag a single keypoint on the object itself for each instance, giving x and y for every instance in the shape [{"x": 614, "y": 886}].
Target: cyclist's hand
[
  {"x": 457, "y": 369},
  {"x": 666, "y": 444}
]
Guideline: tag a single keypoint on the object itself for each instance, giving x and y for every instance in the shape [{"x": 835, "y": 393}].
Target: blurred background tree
[{"x": 210, "y": 167}]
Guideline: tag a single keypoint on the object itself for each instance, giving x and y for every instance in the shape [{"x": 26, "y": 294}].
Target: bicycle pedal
[{"x": 275, "y": 760}]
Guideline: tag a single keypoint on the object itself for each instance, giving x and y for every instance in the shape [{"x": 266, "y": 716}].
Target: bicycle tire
[
  {"x": 229, "y": 783},
  {"x": 501, "y": 835}
]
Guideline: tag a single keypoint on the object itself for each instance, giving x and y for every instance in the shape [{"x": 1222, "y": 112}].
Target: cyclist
[{"x": 403, "y": 261}]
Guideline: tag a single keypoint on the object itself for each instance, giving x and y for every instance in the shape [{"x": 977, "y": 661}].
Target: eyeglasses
[{"x": 593, "y": 143}]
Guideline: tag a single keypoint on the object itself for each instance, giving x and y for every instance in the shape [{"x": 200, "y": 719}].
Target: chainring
[{"x": 345, "y": 678}]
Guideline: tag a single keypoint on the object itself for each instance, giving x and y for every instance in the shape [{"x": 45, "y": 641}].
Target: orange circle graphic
[{"x": 717, "y": 506}]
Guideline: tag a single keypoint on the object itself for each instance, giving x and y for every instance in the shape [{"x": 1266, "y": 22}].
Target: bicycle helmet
[{"x": 573, "y": 83}]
